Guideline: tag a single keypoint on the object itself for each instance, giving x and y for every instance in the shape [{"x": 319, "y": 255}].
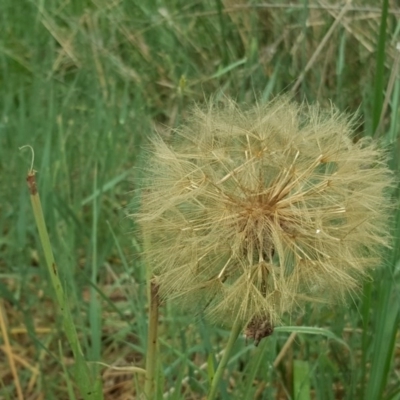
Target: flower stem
[
  {"x": 151, "y": 356},
  {"x": 237, "y": 327}
]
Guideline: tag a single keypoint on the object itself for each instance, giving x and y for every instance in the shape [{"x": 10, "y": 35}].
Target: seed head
[{"x": 249, "y": 213}]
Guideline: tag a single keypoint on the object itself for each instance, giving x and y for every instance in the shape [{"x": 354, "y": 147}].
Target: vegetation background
[{"x": 85, "y": 83}]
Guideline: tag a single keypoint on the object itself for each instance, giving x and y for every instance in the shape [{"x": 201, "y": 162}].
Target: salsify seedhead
[{"x": 249, "y": 213}]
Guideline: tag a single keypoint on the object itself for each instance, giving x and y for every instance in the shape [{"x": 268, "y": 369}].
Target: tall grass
[{"x": 85, "y": 83}]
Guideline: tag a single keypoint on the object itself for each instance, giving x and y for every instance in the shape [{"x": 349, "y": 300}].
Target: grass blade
[
  {"x": 301, "y": 380},
  {"x": 380, "y": 68}
]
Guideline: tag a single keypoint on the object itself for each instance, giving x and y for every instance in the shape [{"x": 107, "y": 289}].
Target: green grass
[{"x": 85, "y": 83}]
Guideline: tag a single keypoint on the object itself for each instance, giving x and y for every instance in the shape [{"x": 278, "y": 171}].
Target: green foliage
[{"x": 86, "y": 83}]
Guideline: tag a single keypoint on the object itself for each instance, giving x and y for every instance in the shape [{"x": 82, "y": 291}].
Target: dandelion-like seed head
[{"x": 249, "y": 213}]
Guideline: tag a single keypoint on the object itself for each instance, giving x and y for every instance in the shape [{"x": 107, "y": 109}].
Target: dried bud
[{"x": 250, "y": 213}]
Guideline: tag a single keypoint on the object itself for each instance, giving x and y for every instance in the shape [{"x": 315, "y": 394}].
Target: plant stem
[
  {"x": 237, "y": 327},
  {"x": 151, "y": 356},
  {"x": 90, "y": 389}
]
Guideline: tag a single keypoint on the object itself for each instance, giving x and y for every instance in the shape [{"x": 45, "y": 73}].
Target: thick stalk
[
  {"x": 237, "y": 327},
  {"x": 151, "y": 356}
]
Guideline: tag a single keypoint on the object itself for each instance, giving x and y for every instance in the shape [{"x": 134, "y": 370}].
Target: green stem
[
  {"x": 236, "y": 329},
  {"x": 151, "y": 356},
  {"x": 90, "y": 389}
]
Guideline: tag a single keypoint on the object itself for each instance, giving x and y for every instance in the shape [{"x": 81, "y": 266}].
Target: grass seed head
[{"x": 249, "y": 213}]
